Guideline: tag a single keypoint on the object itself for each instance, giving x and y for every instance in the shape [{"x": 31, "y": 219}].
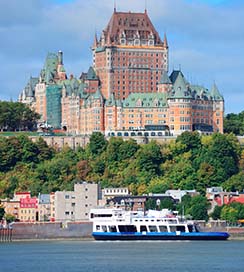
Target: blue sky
[{"x": 206, "y": 38}]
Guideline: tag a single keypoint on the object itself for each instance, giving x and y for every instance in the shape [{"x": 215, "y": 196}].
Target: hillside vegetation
[{"x": 191, "y": 162}]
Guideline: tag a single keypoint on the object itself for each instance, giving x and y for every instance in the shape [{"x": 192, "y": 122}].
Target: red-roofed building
[{"x": 28, "y": 211}]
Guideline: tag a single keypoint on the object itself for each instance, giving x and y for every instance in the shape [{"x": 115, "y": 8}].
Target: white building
[{"x": 75, "y": 205}]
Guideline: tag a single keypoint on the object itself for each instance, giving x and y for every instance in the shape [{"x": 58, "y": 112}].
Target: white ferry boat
[{"x": 119, "y": 224}]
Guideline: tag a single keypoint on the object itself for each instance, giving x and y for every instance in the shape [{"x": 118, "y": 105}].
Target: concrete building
[{"x": 75, "y": 205}]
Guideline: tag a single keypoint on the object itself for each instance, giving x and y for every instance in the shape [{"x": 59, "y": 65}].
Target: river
[{"x": 77, "y": 256}]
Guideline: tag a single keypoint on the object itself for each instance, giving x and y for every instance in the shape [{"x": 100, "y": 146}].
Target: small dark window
[{"x": 143, "y": 228}]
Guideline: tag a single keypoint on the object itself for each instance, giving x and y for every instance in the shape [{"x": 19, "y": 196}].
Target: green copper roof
[
  {"x": 215, "y": 93},
  {"x": 30, "y": 87},
  {"x": 100, "y": 49},
  {"x": 165, "y": 78},
  {"x": 180, "y": 88},
  {"x": 200, "y": 92},
  {"x": 91, "y": 75},
  {"x": 75, "y": 87},
  {"x": 145, "y": 100},
  {"x": 50, "y": 68}
]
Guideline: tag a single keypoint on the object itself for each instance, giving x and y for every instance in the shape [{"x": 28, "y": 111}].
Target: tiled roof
[
  {"x": 145, "y": 100},
  {"x": 130, "y": 24}
]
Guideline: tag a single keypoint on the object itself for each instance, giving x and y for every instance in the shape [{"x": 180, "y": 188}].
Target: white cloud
[{"x": 207, "y": 40}]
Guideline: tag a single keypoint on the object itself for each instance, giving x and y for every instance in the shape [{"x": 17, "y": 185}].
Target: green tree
[
  {"x": 148, "y": 160},
  {"x": 234, "y": 123},
  {"x": 97, "y": 143},
  {"x": 216, "y": 214},
  {"x": 229, "y": 214},
  {"x": 199, "y": 208},
  {"x": 222, "y": 152},
  {"x": 44, "y": 151},
  {"x": 167, "y": 203},
  {"x": 191, "y": 141},
  {"x": 17, "y": 116},
  {"x": 9, "y": 218},
  {"x": 235, "y": 183}
]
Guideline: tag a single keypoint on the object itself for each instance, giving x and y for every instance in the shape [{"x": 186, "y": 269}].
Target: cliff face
[{"x": 51, "y": 230}]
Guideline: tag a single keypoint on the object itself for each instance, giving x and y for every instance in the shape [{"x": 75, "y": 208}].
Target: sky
[{"x": 205, "y": 37}]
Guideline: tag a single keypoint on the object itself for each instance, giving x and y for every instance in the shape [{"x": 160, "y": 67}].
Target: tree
[
  {"x": 17, "y": 116},
  {"x": 44, "y": 151},
  {"x": 148, "y": 160},
  {"x": 9, "y": 218},
  {"x": 199, "y": 208},
  {"x": 191, "y": 141},
  {"x": 234, "y": 123},
  {"x": 222, "y": 152},
  {"x": 216, "y": 214},
  {"x": 83, "y": 169},
  {"x": 235, "y": 183},
  {"x": 158, "y": 185},
  {"x": 97, "y": 143},
  {"x": 229, "y": 214}
]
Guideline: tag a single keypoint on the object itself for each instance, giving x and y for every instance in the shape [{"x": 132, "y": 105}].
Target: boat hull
[{"x": 105, "y": 236}]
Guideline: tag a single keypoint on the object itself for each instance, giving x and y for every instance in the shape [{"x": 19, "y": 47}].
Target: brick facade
[{"x": 127, "y": 89}]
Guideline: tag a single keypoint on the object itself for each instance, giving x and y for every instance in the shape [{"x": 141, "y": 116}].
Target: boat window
[
  {"x": 158, "y": 220},
  {"x": 173, "y": 228},
  {"x": 152, "y": 220},
  {"x": 97, "y": 227},
  {"x": 181, "y": 228},
  {"x": 152, "y": 228},
  {"x": 190, "y": 228},
  {"x": 143, "y": 228},
  {"x": 163, "y": 229},
  {"x": 104, "y": 228},
  {"x": 127, "y": 228},
  {"x": 112, "y": 229}
]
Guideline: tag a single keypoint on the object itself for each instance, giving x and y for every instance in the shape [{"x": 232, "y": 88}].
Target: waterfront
[{"x": 74, "y": 256}]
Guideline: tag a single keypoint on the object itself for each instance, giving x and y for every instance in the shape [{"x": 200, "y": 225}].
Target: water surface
[{"x": 72, "y": 256}]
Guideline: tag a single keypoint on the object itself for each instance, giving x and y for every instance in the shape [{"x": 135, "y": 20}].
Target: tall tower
[{"x": 129, "y": 57}]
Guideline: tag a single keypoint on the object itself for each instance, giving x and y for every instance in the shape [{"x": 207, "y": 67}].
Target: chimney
[{"x": 60, "y": 57}]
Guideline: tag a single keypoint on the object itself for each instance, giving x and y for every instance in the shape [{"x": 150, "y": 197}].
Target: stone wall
[{"x": 51, "y": 230}]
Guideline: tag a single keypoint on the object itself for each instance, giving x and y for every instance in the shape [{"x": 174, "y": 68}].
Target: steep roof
[
  {"x": 130, "y": 24},
  {"x": 165, "y": 78},
  {"x": 30, "y": 87},
  {"x": 175, "y": 74},
  {"x": 180, "y": 87},
  {"x": 215, "y": 93},
  {"x": 50, "y": 67},
  {"x": 91, "y": 74}
]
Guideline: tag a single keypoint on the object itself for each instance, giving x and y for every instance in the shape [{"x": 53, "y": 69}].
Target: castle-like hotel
[{"x": 127, "y": 89}]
